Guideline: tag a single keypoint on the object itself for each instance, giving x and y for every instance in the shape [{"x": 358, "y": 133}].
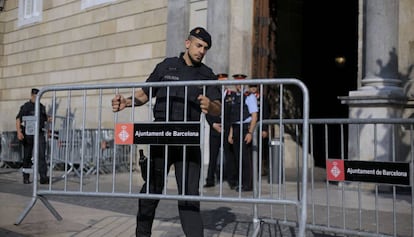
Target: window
[
  {"x": 90, "y": 3},
  {"x": 30, "y": 11}
]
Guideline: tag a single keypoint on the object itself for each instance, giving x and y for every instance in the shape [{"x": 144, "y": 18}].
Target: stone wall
[{"x": 116, "y": 42}]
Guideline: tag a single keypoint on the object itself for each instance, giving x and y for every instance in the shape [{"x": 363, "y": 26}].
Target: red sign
[
  {"x": 335, "y": 170},
  {"x": 124, "y": 133}
]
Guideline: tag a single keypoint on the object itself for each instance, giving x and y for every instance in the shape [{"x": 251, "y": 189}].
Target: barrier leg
[
  {"x": 26, "y": 211},
  {"x": 50, "y": 207},
  {"x": 31, "y": 205},
  {"x": 257, "y": 224}
]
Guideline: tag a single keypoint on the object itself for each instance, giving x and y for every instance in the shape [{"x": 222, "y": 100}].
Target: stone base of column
[{"x": 370, "y": 141}]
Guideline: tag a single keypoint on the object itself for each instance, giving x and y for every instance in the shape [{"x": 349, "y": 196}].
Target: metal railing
[
  {"x": 295, "y": 192},
  {"x": 87, "y": 100},
  {"x": 349, "y": 207}
]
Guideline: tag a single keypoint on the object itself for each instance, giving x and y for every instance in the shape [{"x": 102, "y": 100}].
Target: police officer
[
  {"x": 230, "y": 163},
  {"x": 214, "y": 143},
  {"x": 28, "y": 109},
  {"x": 264, "y": 113},
  {"x": 241, "y": 131},
  {"x": 188, "y": 66}
]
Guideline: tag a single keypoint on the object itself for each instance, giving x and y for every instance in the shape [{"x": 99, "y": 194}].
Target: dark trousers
[
  {"x": 215, "y": 144},
  {"x": 230, "y": 163},
  {"x": 28, "y": 144},
  {"x": 246, "y": 155},
  {"x": 265, "y": 155},
  {"x": 189, "y": 211}
]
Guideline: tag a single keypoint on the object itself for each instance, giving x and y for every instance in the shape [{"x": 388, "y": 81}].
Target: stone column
[
  {"x": 381, "y": 94},
  {"x": 218, "y": 24},
  {"x": 241, "y": 36},
  {"x": 380, "y": 59},
  {"x": 177, "y": 26}
]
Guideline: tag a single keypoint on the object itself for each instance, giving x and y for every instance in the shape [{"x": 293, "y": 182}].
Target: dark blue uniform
[
  {"x": 240, "y": 129},
  {"x": 28, "y": 109},
  {"x": 214, "y": 145},
  {"x": 230, "y": 164},
  {"x": 175, "y": 69}
]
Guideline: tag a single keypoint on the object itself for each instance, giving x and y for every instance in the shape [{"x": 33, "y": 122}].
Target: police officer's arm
[
  {"x": 119, "y": 102},
  {"x": 209, "y": 107},
  {"x": 252, "y": 106},
  {"x": 20, "y": 134},
  {"x": 230, "y": 137},
  {"x": 19, "y": 131},
  {"x": 249, "y": 135}
]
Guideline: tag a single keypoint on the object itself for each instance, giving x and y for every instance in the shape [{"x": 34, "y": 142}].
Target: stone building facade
[
  {"x": 60, "y": 42},
  {"x": 102, "y": 41}
]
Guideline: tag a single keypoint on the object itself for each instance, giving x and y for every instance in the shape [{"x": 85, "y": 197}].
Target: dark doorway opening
[{"x": 317, "y": 42}]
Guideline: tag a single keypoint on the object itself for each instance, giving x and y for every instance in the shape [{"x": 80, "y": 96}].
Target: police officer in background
[
  {"x": 264, "y": 113},
  {"x": 28, "y": 109},
  {"x": 230, "y": 164},
  {"x": 241, "y": 132},
  {"x": 188, "y": 66},
  {"x": 214, "y": 143}
]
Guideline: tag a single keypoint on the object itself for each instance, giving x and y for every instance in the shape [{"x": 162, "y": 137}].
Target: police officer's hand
[
  {"x": 248, "y": 138},
  {"x": 204, "y": 103},
  {"x": 118, "y": 103},
  {"x": 217, "y": 127},
  {"x": 230, "y": 139},
  {"x": 20, "y": 135},
  {"x": 209, "y": 107}
]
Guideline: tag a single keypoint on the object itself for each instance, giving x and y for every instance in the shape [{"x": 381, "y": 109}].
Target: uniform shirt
[
  {"x": 227, "y": 102},
  {"x": 28, "y": 109},
  {"x": 265, "y": 110},
  {"x": 175, "y": 69},
  {"x": 251, "y": 103},
  {"x": 249, "y": 107}
]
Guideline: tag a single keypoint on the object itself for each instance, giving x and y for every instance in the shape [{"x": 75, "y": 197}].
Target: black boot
[
  {"x": 44, "y": 179},
  {"x": 26, "y": 178}
]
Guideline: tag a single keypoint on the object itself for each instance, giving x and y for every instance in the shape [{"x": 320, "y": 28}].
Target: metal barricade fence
[
  {"x": 91, "y": 144},
  {"x": 93, "y": 109},
  {"x": 359, "y": 205},
  {"x": 11, "y": 149},
  {"x": 355, "y": 208}
]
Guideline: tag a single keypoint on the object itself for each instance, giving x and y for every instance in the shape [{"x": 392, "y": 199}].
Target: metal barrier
[
  {"x": 11, "y": 152},
  {"x": 359, "y": 206},
  {"x": 92, "y": 112},
  {"x": 349, "y": 207},
  {"x": 82, "y": 148}
]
